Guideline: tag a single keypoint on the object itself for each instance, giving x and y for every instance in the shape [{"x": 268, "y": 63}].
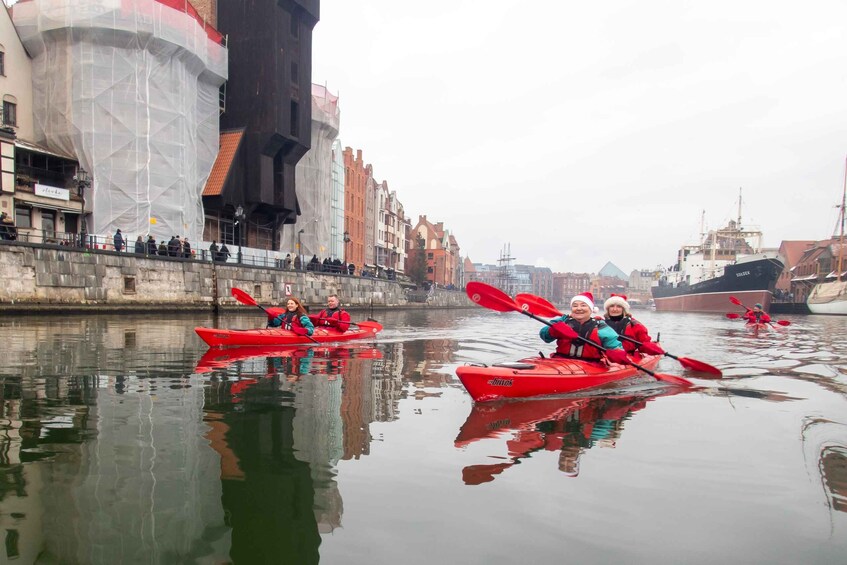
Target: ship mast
[{"x": 841, "y": 234}]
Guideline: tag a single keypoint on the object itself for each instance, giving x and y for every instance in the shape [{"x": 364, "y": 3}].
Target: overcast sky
[{"x": 581, "y": 132}]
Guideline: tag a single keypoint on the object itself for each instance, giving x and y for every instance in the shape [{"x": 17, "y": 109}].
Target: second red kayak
[
  {"x": 277, "y": 336},
  {"x": 538, "y": 376}
]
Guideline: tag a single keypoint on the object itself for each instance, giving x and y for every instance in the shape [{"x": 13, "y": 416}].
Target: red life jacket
[
  {"x": 629, "y": 327},
  {"x": 579, "y": 349},
  {"x": 342, "y": 316}
]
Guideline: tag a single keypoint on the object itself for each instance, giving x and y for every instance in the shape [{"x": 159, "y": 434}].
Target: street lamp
[
  {"x": 83, "y": 181},
  {"x": 239, "y": 221},
  {"x": 346, "y": 241},
  {"x": 300, "y": 248}
]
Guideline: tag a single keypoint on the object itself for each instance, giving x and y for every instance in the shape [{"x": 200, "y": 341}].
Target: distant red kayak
[
  {"x": 537, "y": 376},
  {"x": 757, "y": 326},
  {"x": 276, "y": 336}
]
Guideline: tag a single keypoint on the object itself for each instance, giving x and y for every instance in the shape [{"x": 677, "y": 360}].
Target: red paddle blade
[
  {"x": 536, "y": 305},
  {"x": 783, "y": 322},
  {"x": 491, "y": 297},
  {"x": 243, "y": 297},
  {"x": 696, "y": 365},
  {"x": 733, "y": 316},
  {"x": 735, "y": 301},
  {"x": 673, "y": 379}
]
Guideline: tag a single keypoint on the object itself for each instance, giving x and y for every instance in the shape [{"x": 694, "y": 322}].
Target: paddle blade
[
  {"x": 735, "y": 301},
  {"x": 537, "y": 305},
  {"x": 783, "y": 322},
  {"x": 243, "y": 297},
  {"x": 733, "y": 316},
  {"x": 673, "y": 379},
  {"x": 696, "y": 365},
  {"x": 491, "y": 297}
]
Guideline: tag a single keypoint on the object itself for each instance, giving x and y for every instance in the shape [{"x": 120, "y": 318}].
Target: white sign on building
[{"x": 52, "y": 192}]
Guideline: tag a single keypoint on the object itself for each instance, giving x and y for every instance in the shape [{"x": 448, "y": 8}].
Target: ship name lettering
[{"x": 742, "y": 274}]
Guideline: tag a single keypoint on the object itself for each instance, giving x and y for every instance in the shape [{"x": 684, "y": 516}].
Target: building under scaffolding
[{"x": 132, "y": 90}]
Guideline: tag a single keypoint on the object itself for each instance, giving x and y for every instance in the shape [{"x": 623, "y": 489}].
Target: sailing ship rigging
[{"x": 830, "y": 297}]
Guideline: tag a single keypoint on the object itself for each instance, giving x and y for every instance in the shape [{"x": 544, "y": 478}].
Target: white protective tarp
[
  {"x": 131, "y": 87},
  {"x": 314, "y": 185}
]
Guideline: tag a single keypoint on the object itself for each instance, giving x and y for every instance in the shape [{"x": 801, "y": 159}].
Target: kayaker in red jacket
[
  {"x": 294, "y": 319},
  {"x": 332, "y": 316},
  {"x": 581, "y": 321},
  {"x": 619, "y": 318},
  {"x": 756, "y": 315}
]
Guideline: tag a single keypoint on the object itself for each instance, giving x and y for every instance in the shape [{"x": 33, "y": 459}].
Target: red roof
[{"x": 230, "y": 140}]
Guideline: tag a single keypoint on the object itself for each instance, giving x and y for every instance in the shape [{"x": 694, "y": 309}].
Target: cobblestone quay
[{"x": 46, "y": 278}]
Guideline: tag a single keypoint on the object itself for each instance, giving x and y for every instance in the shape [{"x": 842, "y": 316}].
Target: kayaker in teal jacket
[
  {"x": 294, "y": 318},
  {"x": 581, "y": 321}
]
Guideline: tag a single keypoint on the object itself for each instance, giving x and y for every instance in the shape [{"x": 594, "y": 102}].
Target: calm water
[{"x": 122, "y": 440}]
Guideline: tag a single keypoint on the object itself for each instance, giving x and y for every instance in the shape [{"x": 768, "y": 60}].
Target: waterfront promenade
[{"x": 45, "y": 277}]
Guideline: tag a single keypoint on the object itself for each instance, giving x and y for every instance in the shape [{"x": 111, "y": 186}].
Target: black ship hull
[{"x": 750, "y": 282}]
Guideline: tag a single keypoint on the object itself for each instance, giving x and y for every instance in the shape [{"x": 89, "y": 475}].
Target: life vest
[
  {"x": 629, "y": 327},
  {"x": 289, "y": 320},
  {"x": 579, "y": 349},
  {"x": 337, "y": 313}
]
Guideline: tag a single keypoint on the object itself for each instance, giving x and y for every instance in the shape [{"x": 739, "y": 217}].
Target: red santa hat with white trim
[
  {"x": 620, "y": 300},
  {"x": 586, "y": 297}
]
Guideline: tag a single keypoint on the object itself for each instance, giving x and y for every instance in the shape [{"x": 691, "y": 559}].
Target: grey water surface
[{"x": 123, "y": 439}]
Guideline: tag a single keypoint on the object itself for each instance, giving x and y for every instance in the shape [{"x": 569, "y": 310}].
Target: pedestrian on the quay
[
  {"x": 186, "y": 248},
  {"x": 139, "y": 246},
  {"x": 224, "y": 253},
  {"x": 119, "y": 240},
  {"x": 151, "y": 245},
  {"x": 213, "y": 250}
]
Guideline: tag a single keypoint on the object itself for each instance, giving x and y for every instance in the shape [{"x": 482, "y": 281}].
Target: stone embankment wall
[{"x": 39, "y": 278}]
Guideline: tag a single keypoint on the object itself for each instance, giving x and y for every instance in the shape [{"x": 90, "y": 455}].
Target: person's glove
[
  {"x": 651, "y": 348},
  {"x": 617, "y": 356},
  {"x": 559, "y": 330},
  {"x": 330, "y": 322}
]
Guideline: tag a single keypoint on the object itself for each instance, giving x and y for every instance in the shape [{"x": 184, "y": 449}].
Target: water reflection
[
  {"x": 124, "y": 439},
  {"x": 569, "y": 425},
  {"x": 825, "y": 453}
]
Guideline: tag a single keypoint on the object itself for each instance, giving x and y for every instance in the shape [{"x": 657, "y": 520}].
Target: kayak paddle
[
  {"x": 245, "y": 298},
  {"x": 542, "y": 307},
  {"x": 495, "y": 299}
]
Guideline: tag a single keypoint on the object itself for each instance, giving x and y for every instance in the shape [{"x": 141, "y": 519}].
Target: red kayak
[
  {"x": 216, "y": 358},
  {"x": 757, "y": 326},
  {"x": 277, "y": 336},
  {"x": 538, "y": 376}
]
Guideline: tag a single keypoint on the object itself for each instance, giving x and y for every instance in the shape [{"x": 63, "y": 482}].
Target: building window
[
  {"x": 295, "y": 74},
  {"x": 48, "y": 223},
  {"x": 295, "y": 26},
  {"x": 295, "y": 118},
  {"x": 10, "y": 114},
  {"x": 429, "y": 255},
  {"x": 2, "y": 64},
  {"x": 23, "y": 217}
]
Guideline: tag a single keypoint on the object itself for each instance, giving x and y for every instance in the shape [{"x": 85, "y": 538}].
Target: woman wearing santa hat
[
  {"x": 582, "y": 322},
  {"x": 618, "y": 318}
]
